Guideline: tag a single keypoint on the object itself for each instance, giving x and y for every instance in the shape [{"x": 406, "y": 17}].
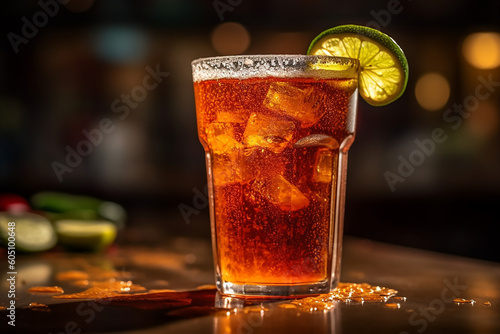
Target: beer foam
[{"x": 285, "y": 66}]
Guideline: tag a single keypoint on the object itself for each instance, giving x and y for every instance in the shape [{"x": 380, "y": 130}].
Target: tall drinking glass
[{"x": 276, "y": 130}]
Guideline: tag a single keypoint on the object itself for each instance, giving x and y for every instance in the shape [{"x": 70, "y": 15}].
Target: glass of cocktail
[{"x": 276, "y": 130}]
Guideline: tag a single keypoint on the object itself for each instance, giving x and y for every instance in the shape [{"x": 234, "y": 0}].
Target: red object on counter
[{"x": 13, "y": 203}]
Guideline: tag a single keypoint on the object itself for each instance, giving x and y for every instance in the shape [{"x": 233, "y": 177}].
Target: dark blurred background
[{"x": 71, "y": 70}]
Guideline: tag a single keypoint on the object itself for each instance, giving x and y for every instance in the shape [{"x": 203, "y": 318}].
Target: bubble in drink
[
  {"x": 277, "y": 190},
  {"x": 302, "y": 104},
  {"x": 268, "y": 131}
]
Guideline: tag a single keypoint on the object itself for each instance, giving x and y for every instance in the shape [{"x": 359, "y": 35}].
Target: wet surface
[{"x": 168, "y": 290}]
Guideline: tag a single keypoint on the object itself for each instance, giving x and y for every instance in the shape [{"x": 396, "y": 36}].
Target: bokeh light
[
  {"x": 79, "y": 6},
  {"x": 432, "y": 91},
  {"x": 121, "y": 44},
  {"x": 484, "y": 121},
  {"x": 230, "y": 38},
  {"x": 482, "y": 50},
  {"x": 284, "y": 42}
]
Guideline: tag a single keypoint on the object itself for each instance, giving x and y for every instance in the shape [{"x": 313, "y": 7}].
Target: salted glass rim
[{"x": 274, "y": 65}]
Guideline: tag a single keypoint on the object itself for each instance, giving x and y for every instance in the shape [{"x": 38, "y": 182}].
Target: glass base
[{"x": 274, "y": 290}]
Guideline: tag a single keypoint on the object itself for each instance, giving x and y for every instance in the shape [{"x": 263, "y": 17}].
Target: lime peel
[
  {"x": 27, "y": 232},
  {"x": 84, "y": 234}
]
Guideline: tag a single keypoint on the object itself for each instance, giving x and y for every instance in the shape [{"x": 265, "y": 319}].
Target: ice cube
[
  {"x": 226, "y": 168},
  {"x": 232, "y": 116},
  {"x": 319, "y": 140},
  {"x": 324, "y": 166},
  {"x": 268, "y": 131},
  {"x": 225, "y": 153},
  {"x": 277, "y": 190},
  {"x": 245, "y": 165},
  {"x": 303, "y": 104},
  {"x": 221, "y": 138}
]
